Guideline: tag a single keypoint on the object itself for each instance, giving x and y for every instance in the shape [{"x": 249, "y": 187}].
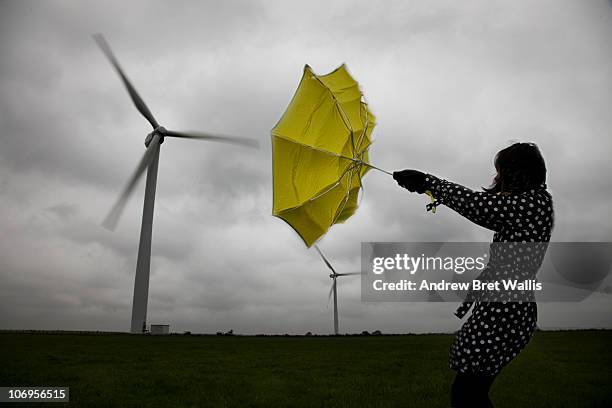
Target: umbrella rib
[
  {"x": 346, "y": 196},
  {"x": 343, "y": 114},
  {"x": 366, "y": 124},
  {"x": 311, "y": 115},
  {"x": 315, "y": 148},
  {"x": 333, "y": 185},
  {"x": 360, "y": 186},
  {"x": 357, "y": 164},
  {"x": 363, "y": 133},
  {"x": 344, "y": 119},
  {"x": 327, "y": 190}
]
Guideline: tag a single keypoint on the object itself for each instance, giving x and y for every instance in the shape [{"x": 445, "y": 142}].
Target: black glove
[{"x": 411, "y": 180}]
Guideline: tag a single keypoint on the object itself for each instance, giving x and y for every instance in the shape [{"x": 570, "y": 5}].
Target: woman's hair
[{"x": 520, "y": 167}]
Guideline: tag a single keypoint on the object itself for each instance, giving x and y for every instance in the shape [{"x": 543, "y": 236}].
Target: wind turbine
[
  {"x": 334, "y": 275},
  {"x": 149, "y": 162}
]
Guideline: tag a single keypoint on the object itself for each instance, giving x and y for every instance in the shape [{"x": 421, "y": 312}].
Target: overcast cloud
[{"x": 451, "y": 83}]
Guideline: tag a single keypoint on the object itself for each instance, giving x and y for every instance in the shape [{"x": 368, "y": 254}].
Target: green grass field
[{"x": 558, "y": 369}]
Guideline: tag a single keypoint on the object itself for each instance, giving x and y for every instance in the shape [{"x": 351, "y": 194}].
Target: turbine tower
[
  {"x": 149, "y": 162},
  {"x": 333, "y": 290}
]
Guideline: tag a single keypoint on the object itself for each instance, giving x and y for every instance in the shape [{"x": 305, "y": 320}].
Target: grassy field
[{"x": 558, "y": 369}]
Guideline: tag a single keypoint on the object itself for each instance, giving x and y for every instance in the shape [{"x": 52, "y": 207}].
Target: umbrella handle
[{"x": 434, "y": 203}]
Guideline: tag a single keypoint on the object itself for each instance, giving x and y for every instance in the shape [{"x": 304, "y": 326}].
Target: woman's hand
[{"x": 411, "y": 180}]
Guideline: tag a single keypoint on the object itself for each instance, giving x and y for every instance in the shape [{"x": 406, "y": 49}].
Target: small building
[{"x": 160, "y": 329}]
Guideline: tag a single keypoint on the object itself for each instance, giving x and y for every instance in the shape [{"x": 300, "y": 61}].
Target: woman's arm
[{"x": 491, "y": 211}]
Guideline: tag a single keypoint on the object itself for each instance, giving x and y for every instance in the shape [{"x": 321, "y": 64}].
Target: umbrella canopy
[{"x": 320, "y": 153}]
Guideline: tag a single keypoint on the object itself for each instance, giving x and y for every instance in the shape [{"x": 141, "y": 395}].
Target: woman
[{"x": 517, "y": 208}]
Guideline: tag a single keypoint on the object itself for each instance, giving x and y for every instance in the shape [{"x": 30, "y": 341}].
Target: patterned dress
[{"x": 496, "y": 331}]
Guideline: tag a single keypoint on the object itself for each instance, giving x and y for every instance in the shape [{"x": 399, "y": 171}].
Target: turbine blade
[
  {"x": 325, "y": 259},
  {"x": 243, "y": 141},
  {"x": 140, "y": 105},
  {"x": 350, "y": 273},
  {"x": 111, "y": 220}
]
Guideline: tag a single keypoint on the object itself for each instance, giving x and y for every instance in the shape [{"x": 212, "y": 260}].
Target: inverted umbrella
[
  {"x": 320, "y": 153},
  {"x": 319, "y": 156}
]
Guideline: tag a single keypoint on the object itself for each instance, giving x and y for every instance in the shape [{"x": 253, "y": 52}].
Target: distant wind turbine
[
  {"x": 333, "y": 290},
  {"x": 149, "y": 162}
]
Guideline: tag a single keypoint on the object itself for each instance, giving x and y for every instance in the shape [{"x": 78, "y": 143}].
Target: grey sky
[{"x": 450, "y": 82}]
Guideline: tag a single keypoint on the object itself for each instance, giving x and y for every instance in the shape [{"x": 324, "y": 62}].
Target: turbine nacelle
[{"x": 160, "y": 131}]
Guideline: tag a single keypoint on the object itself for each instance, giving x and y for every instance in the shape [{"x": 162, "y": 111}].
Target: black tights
[{"x": 471, "y": 390}]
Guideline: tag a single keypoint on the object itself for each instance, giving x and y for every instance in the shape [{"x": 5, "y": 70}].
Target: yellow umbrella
[{"x": 320, "y": 153}]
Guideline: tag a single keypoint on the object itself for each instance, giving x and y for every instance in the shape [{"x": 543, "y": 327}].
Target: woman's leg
[
  {"x": 461, "y": 391},
  {"x": 483, "y": 386},
  {"x": 471, "y": 390}
]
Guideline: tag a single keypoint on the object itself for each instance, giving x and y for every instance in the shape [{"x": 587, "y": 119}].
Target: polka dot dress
[{"x": 496, "y": 332}]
